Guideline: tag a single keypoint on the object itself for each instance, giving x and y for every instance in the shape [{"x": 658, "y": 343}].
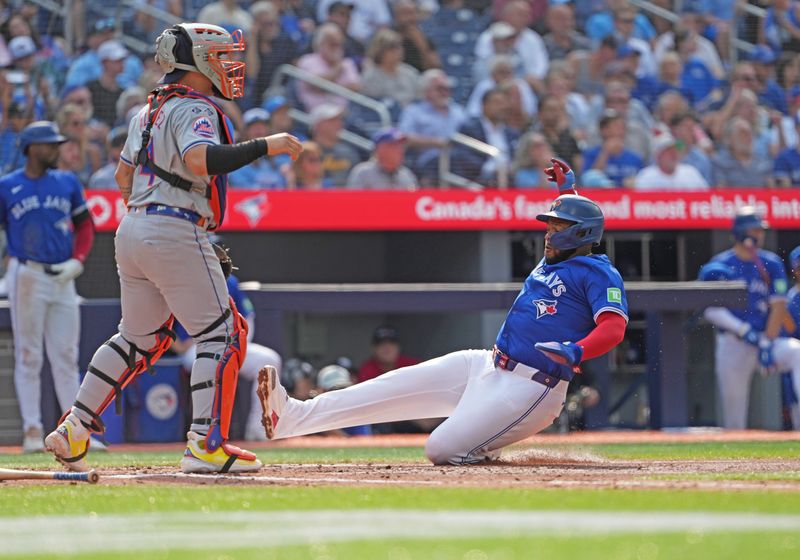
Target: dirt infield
[{"x": 532, "y": 464}]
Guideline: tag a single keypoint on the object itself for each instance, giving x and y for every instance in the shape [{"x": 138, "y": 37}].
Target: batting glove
[
  {"x": 561, "y": 175},
  {"x": 67, "y": 270},
  {"x": 751, "y": 336},
  {"x": 567, "y": 353},
  {"x": 766, "y": 358}
]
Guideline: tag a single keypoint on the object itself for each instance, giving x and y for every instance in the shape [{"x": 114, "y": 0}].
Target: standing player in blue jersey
[
  {"x": 50, "y": 234},
  {"x": 743, "y": 346},
  {"x": 572, "y": 307}
]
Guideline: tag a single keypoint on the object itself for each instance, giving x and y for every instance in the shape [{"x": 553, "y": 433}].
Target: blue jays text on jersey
[
  {"x": 37, "y": 214},
  {"x": 561, "y": 303},
  {"x": 766, "y": 281}
]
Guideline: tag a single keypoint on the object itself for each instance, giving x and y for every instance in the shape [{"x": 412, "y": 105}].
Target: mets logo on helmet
[
  {"x": 545, "y": 307},
  {"x": 202, "y": 127}
]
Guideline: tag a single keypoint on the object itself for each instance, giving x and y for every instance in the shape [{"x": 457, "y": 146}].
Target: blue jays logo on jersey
[
  {"x": 203, "y": 127},
  {"x": 545, "y": 307}
]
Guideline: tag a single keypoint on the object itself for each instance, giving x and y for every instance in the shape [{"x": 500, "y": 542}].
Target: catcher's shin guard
[
  {"x": 225, "y": 380},
  {"x": 136, "y": 360}
]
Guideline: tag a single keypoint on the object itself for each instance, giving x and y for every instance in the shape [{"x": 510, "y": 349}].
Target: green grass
[{"x": 64, "y": 499}]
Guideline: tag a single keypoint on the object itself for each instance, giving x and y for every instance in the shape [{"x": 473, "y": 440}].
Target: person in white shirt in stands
[{"x": 667, "y": 173}]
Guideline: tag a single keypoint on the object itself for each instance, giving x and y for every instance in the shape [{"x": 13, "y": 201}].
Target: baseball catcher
[{"x": 172, "y": 174}]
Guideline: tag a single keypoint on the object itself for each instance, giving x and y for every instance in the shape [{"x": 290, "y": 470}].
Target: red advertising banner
[{"x": 463, "y": 210}]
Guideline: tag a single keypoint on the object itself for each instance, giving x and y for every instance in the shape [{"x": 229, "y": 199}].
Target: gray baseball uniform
[{"x": 166, "y": 263}]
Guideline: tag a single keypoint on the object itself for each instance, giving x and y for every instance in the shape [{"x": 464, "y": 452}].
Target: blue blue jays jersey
[
  {"x": 242, "y": 302},
  {"x": 766, "y": 282},
  {"x": 37, "y": 214},
  {"x": 794, "y": 312},
  {"x": 561, "y": 303}
]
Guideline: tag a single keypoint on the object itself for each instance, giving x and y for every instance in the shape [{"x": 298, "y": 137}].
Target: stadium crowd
[{"x": 627, "y": 98}]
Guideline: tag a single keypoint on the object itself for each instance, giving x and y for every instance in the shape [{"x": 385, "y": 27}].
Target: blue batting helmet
[
  {"x": 714, "y": 271},
  {"x": 746, "y": 219},
  {"x": 40, "y": 132},
  {"x": 587, "y": 217},
  {"x": 794, "y": 258}
]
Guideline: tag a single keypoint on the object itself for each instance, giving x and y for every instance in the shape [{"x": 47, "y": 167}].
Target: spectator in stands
[
  {"x": 340, "y": 13},
  {"x": 743, "y": 76},
  {"x": 611, "y": 157},
  {"x": 148, "y": 28},
  {"x": 554, "y": 126},
  {"x": 560, "y": 84},
  {"x": 669, "y": 104},
  {"x": 418, "y": 50},
  {"x": 604, "y": 23},
  {"x": 299, "y": 378},
  {"x": 386, "y": 76},
  {"x": 306, "y": 172},
  {"x": 23, "y": 53},
  {"x": 787, "y": 164},
  {"x": 327, "y": 62},
  {"x": 82, "y": 156},
  {"x": 87, "y": 67},
  {"x": 386, "y": 355},
  {"x": 105, "y": 90},
  {"x": 562, "y": 38},
  {"x": 517, "y": 39},
  {"x": 744, "y": 103},
  {"x": 667, "y": 173},
  {"x": 638, "y": 120},
  {"x": 368, "y": 16},
  {"x": 670, "y": 78},
  {"x": 385, "y": 170},
  {"x": 227, "y": 14},
  {"x": 429, "y": 123},
  {"x": 690, "y": 29},
  {"x": 769, "y": 92},
  {"x": 625, "y": 32},
  {"x": 780, "y": 29},
  {"x": 688, "y": 133},
  {"x": 103, "y": 178},
  {"x": 338, "y": 158},
  {"x": 589, "y": 67},
  {"x": 262, "y": 173},
  {"x": 17, "y": 118},
  {"x": 501, "y": 74},
  {"x": 128, "y": 99},
  {"x": 735, "y": 164},
  {"x": 490, "y": 128},
  {"x": 280, "y": 120},
  {"x": 80, "y": 96},
  {"x": 267, "y": 48},
  {"x": 532, "y": 156}
]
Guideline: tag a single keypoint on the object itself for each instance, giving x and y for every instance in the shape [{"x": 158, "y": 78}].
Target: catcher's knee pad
[
  {"x": 136, "y": 361},
  {"x": 226, "y": 376}
]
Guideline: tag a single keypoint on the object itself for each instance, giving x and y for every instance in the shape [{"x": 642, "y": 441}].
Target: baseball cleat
[
  {"x": 69, "y": 443},
  {"x": 227, "y": 457},
  {"x": 273, "y": 398},
  {"x": 32, "y": 442}
]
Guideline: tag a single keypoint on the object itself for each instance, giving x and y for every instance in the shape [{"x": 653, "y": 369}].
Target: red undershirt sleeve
[
  {"x": 609, "y": 332},
  {"x": 84, "y": 238}
]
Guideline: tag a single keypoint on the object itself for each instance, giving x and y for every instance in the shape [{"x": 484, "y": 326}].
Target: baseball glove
[{"x": 225, "y": 261}]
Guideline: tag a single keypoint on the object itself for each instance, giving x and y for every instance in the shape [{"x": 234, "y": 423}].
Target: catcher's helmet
[
  {"x": 714, "y": 271},
  {"x": 794, "y": 258},
  {"x": 587, "y": 217},
  {"x": 40, "y": 132},
  {"x": 200, "y": 47},
  {"x": 746, "y": 219}
]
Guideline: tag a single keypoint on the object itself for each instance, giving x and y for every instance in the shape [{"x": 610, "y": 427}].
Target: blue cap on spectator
[
  {"x": 21, "y": 46},
  {"x": 763, "y": 55},
  {"x": 625, "y": 50},
  {"x": 103, "y": 25},
  {"x": 274, "y": 103},
  {"x": 254, "y": 115},
  {"x": 388, "y": 135}
]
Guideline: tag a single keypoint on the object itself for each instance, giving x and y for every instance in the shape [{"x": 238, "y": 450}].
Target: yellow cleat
[
  {"x": 227, "y": 458},
  {"x": 69, "y": 443}
]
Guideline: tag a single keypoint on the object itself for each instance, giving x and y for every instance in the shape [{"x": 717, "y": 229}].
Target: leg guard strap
[
  {"x": 114, "y": 385},
  {"x": 96, "y": 425},
  {"x": 204, "y": 421},
  {"x": 221, "y": 319},
  {"x": 200, "y": 386}
]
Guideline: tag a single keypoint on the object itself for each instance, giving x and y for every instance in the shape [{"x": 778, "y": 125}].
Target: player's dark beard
[{"x": 561, "y": 256}]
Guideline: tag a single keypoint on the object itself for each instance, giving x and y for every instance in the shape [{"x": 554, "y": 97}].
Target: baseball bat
[{"x": 10, "y": 474}]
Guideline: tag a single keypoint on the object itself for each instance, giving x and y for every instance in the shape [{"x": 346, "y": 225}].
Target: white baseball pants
[
  {"x": 44, "y": 317},
  {"x": 487, "y": 408}
]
